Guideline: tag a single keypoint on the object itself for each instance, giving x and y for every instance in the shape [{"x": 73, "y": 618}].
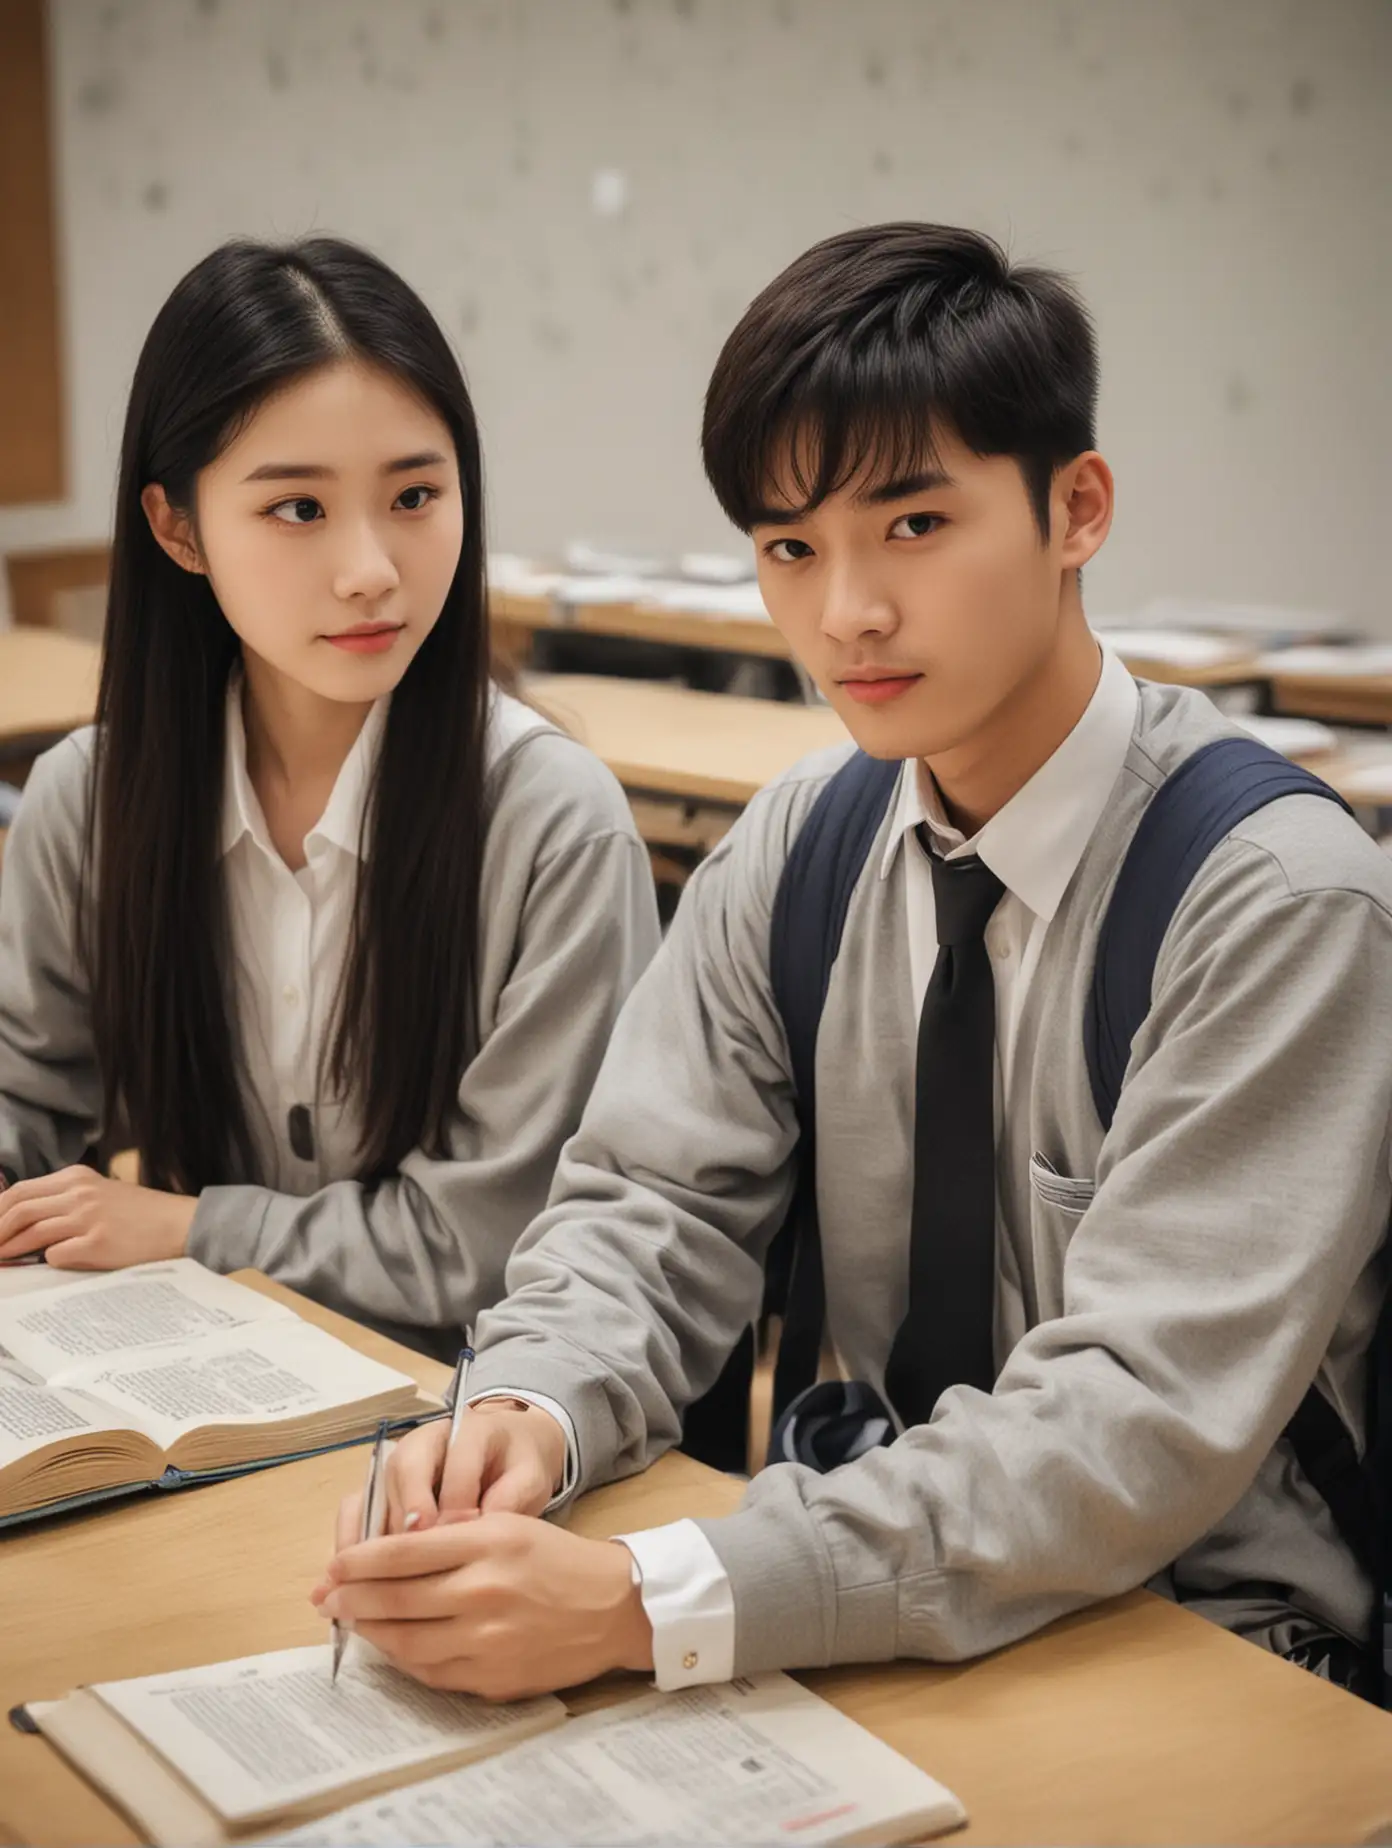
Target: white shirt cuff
[
  {"x": 689, "y": 1603},
  {"x": 570, "y": 1474}
]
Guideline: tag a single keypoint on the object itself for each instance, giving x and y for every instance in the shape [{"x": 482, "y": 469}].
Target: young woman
[{"x": 318, "y": 918}]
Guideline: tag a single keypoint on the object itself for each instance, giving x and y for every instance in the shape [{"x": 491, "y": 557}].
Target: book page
[
  {"x": 756, "y": 1760},
  {"x": 246, "y": 1376},
  {"x": 34, "y": 1416},
  {"x": 20, "y": 1278},
  {"x": 256, "y": 1736},
  {"x": 113, "y": 1312}
]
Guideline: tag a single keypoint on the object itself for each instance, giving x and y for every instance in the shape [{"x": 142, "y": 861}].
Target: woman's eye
[
  {"x": 411, "y": 500},
  {"x": 789, "y": 551},
  {"x": 915, "y": 526},
  {"x": 301, "y": 511}
]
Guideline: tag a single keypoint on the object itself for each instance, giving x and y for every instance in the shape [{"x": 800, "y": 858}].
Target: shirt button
[
  {"x": 290, "y": 996},
  {"x": 690, "y": 1659},
  {"x": 998, "y": 945}
]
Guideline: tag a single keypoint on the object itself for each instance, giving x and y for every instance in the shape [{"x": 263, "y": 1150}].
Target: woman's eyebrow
[{"x": 319, "y": 471}]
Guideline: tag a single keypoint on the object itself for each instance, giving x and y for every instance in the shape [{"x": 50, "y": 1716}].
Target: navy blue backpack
[{"x": 1199, "y": 804}]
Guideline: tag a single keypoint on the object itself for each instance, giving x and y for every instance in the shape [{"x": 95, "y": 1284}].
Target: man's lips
[{"x": 876, "y": 686}]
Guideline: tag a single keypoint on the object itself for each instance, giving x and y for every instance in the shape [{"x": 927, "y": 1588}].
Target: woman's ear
[{"x": 173, "y": 530}]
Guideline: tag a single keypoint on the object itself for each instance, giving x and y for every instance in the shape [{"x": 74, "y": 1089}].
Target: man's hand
[
  {"x": 508, "y": 1458},
  {"x": 500, "y": 1606},
  {"x": 81, "y": 1220}
]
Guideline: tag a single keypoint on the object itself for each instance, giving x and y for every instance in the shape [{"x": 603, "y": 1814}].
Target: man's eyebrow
[
  {"x": 777, "y": 516},
  {"x": 902, "y": 487},
  {"x": 928, "y": 481}
]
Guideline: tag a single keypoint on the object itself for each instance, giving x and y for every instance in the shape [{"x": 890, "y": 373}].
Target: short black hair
[{"x": 873, "y": 342}]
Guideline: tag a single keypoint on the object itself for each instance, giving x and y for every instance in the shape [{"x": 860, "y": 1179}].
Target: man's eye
[
  {"x": 301, "y": 511},
  {"x": 413, "y": 499},
  {"x": 915, "y": 526},
  {"x": 788, "y": 551}
]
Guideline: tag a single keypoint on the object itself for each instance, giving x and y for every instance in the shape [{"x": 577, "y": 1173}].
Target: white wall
[{"x": 1217, "y": 174}]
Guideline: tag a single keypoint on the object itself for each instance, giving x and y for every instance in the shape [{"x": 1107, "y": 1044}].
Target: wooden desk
[
  {"x": 1359, "y": 699},
  {"x": 1215, "y": 674},
  {"x": 48, "y": 687},
  {"x": 1132, "y": 1723},
  {"x": 701, "y": 747},
  {"x": 680, "y": 628}
]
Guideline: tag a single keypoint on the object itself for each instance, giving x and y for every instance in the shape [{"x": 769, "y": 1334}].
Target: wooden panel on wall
[
  {"x": 31, "y": 395},
  {"x": 37, "y": 577}
]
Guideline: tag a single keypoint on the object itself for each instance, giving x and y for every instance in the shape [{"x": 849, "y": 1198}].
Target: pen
[
  {"x": 460, "y": 1387},
  {"x": 456, "y": 1400},
  {"x": 372, "y": 1502}
]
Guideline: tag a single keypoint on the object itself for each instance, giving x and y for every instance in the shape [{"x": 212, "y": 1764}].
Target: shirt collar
[
  {"x": 1033, "y": 845},
  {"x": 341, "y": 823}
]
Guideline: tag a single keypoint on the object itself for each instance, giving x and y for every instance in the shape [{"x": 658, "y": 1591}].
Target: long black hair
[
  {"x": 245, "y": 322},
  {"x": 869, "y": 342}
]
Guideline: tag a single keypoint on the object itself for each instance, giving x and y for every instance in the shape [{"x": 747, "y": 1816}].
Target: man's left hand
[{"x": 504, "y": 1606}]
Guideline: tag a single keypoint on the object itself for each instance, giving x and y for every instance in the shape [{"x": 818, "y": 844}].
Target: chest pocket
[{"x": 1060, "y": 1190}]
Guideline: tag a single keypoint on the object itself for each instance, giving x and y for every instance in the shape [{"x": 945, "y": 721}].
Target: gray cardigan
[
  {"x": 567, "y": 923},
  {"x": 1164, "y": 1298}
]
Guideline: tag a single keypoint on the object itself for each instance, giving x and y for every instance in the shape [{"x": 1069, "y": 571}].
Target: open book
[
  {"x": 168, "y": 1373},
  {"x": 246, "y": 1750}
]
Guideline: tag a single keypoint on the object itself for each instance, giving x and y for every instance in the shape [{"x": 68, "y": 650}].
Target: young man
[{"x": 905, "y": 425}]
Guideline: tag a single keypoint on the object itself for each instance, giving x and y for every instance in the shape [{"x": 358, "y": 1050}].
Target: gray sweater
[
  {"x": 1164, "y": 1297},
  {"x": 567, "y": 923}
]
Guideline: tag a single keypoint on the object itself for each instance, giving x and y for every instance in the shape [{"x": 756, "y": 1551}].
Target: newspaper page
[
  {"x": 256, "y": 1736},
  {"x": 757, "y": 1760}
]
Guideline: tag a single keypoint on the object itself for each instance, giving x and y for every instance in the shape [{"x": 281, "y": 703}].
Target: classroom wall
[{"x": 588, "y": 191}]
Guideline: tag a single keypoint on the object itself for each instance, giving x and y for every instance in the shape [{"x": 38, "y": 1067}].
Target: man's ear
[
  {"x": 1083, "y": 500},
  {"x": 173, "y": 530}
]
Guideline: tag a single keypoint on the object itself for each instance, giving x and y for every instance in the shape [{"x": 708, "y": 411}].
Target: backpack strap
[
  {"x": 1197, "y": 806},
  {"x": 809, "y": 915}
]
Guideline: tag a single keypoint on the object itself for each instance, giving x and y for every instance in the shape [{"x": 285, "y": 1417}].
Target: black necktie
[{"x": 946, "y": 1337}]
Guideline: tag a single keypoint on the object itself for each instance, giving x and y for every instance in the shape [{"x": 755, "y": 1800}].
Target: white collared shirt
[
  {"x": 289, "y": 936},
  {"x": 1033, "y": 845}
]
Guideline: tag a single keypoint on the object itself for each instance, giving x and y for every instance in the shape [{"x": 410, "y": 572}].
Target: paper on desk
[
  {"x": 616, "y": 588},
  {"x": 715, "y": 568},
  {"x": 1175, "y": 647},
  {"x": 1368, "y": 783},
  {"x": 256, "y": 1736},
  {"x": 1294, "y": 738},
  {"x": 1373, "y": 658},
  {"x": 758, "y": 1760},
  {"x": 1264, "y": 623},
  {"x": 713, "y": 600},
  {"x": 519, "y": 577},
  {"x": 596, "y": 561}
]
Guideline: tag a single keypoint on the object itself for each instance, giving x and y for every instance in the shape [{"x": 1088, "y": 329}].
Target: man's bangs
[{"x": 826, "y": 437}]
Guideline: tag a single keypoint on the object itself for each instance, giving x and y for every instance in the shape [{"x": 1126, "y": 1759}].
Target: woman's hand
[{"x": 81, "y": 1220}]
